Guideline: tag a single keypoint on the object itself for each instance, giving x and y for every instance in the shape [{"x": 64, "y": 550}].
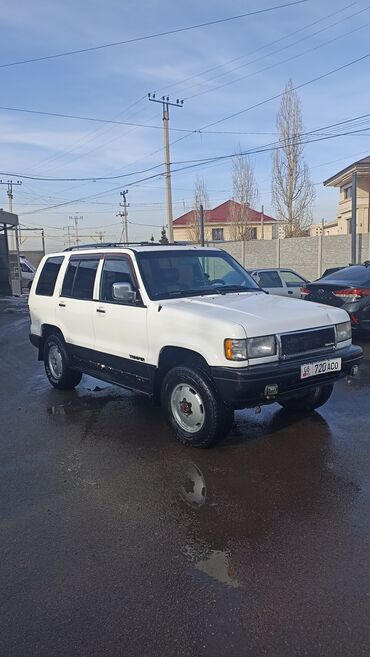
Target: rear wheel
[
  {"x": 192, "y": 408},
  {"x": 309, "y": 401},
  {"x": 56, "y": 363}
]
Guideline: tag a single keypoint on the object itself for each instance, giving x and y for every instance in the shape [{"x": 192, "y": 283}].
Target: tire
[
  {"x": 56, "y": 363},
  {"x": 192, "y": 408},
  {"x": 309, "y": 401}
]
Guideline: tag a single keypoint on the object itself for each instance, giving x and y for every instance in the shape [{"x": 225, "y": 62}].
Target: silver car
[
  {"x": 28, "y": 272},
  {"x": 285, "y": 282}
]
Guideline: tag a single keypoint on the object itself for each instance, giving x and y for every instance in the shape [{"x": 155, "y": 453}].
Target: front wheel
[
  {"x": 309, "y": 401},
  {"x": 56, "y": 363},
  {"x": 193, "y": 410}
]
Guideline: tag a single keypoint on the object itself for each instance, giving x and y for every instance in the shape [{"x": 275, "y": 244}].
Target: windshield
[{"x": 168, "y": 274}]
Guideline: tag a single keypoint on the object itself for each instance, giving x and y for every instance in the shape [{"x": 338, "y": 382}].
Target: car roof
[
  {"x": 271, "y": 269},
  {"x": 140, "y": 248}
]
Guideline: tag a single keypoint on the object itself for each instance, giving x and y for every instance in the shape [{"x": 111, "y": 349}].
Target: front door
[
  {"x": 121, "y": 338},
  {"x": 270, "y": 281}
]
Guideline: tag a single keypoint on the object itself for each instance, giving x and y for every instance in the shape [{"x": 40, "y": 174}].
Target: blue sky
[{"x": 113, "y": 83}]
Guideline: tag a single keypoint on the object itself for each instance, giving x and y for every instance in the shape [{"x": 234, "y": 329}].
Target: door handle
[
  {"x": 62, "y": 305},
  {"x": 290, "y": 292},
  {"x": 100, "y": 310}
]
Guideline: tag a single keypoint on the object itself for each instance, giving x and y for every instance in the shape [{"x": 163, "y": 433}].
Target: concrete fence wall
[{"x": 309, "y": 256}]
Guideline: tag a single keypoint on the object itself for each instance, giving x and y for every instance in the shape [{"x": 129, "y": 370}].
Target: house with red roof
[{"x": 228, "y": 221}]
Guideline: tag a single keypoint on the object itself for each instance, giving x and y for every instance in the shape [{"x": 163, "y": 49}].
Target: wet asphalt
[{"x": 116, "y": 540}]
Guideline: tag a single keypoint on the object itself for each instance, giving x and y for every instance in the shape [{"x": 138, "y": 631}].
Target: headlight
[
  {"x": 344, "y": 331},
  {"x": 260, "y": 347},
  {"x": 236, "y": 349}
]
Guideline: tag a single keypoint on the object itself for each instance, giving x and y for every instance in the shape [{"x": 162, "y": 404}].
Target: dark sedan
[{"x": 349, "y": 289}]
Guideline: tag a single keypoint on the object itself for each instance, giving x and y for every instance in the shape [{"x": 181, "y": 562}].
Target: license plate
[{"x": 321, "y": 367}]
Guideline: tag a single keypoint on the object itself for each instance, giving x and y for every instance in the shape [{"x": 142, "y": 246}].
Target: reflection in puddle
[
  {"x": 217, "y": 566},
  {"x": 193, "y": 491}
]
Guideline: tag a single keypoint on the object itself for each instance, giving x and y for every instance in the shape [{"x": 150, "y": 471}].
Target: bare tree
[
  {"x": 200, "y": 198},
  {"x": 292, "y": 190},
  {"x": 245, "y": 193}
]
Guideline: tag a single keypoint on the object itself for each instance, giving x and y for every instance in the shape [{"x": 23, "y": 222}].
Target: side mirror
[{"x": 123, "y": 292}]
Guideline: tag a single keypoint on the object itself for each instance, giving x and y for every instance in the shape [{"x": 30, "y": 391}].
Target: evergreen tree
[{"x": 163, "y": 238}]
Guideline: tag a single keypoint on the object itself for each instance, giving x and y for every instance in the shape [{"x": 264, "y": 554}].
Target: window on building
[
  {"x": 80, "y": 278},
  {"x": 48, "y": 276},
  {"x": 217, "y": 234},
  {"x": 347, "y": 191},
  {"x": 252, "y": 233}
]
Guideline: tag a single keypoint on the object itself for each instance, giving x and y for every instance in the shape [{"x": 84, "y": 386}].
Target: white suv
[{"x": 189, "y": 327}]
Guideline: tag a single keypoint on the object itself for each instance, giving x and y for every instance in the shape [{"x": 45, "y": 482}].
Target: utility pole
[
  {"x": 124, "y": 216},
  {"x": 262, "y": 223},
  {"x": 68, "y": 229},
  {"x": 354, "y": 220},
  {"x": 100, "y": 234},
  {"x": 14, "y": 246},
  {"x": 76, "y": 218},
  {"x": 165, "y": 102},
  {"x": 201, "y": 216}
]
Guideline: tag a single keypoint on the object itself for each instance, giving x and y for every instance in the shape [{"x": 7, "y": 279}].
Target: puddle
[
  {"x": 193, "y": 490},
  {"x": 217, "y": 566}
]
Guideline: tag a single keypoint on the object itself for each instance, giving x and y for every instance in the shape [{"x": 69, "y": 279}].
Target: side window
[
  {"x": 269, "y": 279},
  {"x": 292, "y": 279},
  {"x": 48, "y": 276},
  {"x": 69, "y": 278},
  {"x": 117, "y": 270},
  {"x": 80, "y": 278}
]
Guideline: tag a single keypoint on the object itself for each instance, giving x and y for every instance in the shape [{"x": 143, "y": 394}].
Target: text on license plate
[{"x": 321, "y": 367}]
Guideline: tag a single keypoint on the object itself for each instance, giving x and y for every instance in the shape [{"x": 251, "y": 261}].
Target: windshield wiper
[
  {"x": 193, "y": 292},
  {"x": 224, "y": 289}
]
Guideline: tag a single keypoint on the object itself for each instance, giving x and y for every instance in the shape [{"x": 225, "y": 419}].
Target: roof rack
[{"x": 110, "y": 245}]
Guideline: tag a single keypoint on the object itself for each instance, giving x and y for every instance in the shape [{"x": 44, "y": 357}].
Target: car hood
[{"x": 259, "y": 313}]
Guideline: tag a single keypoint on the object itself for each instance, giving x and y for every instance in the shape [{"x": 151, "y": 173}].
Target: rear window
[
  {"x": 359, "y": 275},
  {"x": 80, "y": 278},
  {"x": 48, "y": 276}
]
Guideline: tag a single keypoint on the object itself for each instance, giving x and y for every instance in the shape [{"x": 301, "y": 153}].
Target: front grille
[{"x": 293, "y": 344}]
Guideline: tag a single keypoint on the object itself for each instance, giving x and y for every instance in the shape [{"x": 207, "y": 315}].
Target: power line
[
  {"x": 252, "y": 52},
  {"x": 197, "y": 163},
  {"x": 284, "y": 61},
  {"x": 90, "y": 118},
  {"x": 113, "y": 44},
  {"x": 299, "y": 86},
  {"x": 357, "y": 120}
]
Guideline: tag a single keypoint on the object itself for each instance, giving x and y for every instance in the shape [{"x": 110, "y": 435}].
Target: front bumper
[{"x": 245, "y": 386}]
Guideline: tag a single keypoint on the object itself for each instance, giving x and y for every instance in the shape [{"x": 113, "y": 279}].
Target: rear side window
[
  {"x": 359, "y": 275},
  {"x": 80, "y": 278},
  {"x": 48, "y": 276},
  {"x": 268, "y": 279}
]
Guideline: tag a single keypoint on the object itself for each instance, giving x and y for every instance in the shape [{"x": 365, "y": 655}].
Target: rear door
[
  {"x": 293, "y": 282},
  {"x": 270, "y": 281},
  {"x": 74, "y": 308}
]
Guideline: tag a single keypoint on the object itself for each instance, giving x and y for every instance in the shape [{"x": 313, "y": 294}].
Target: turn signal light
[{"x": 350, "y": 294}]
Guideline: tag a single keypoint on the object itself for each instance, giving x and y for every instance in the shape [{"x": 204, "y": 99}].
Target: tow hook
[
  {"x": 353, "y": 372},
  {"x": 271, "y": 391}
]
